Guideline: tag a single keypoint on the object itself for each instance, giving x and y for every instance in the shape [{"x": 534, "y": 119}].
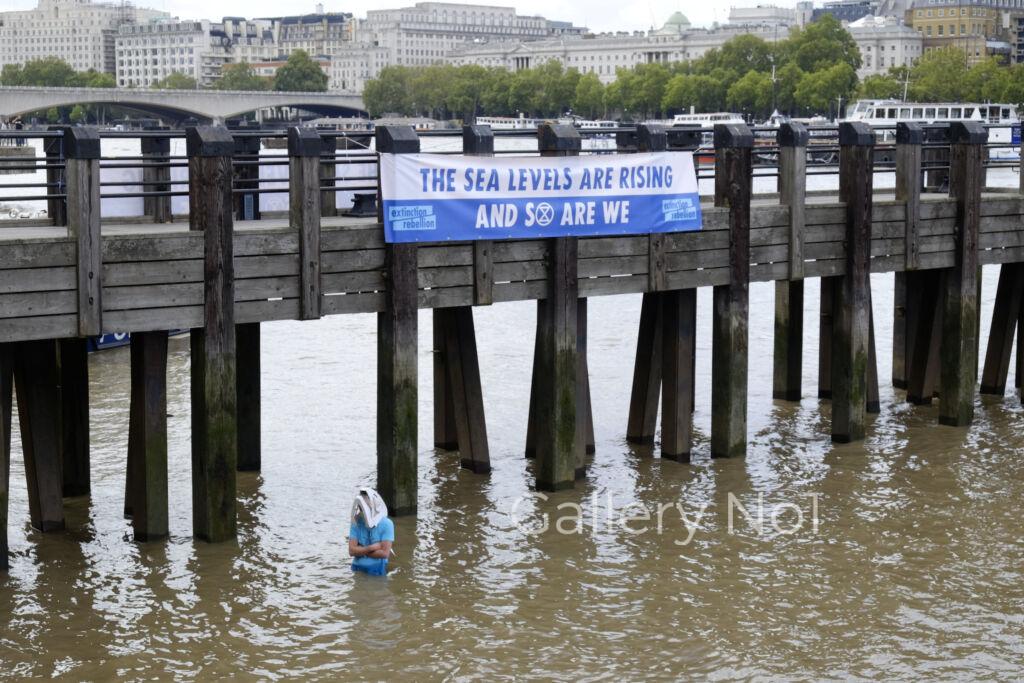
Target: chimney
[{"x": 319, "y": 8}]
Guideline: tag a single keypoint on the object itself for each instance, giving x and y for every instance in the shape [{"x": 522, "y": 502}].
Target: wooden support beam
[
  {"x": 248, "y": 397},
  {"x": 327, "y": 170},
  {"x": 909, "y": 139},
  {"x": 397, "y": 344},
  {"x": 36, "y": 381},
  {"x": 647, "y": 372},
  {"x": 873, "y": 405},
  {"x": 73, "y": 358},
  {"x": 147, "y": 436},
  {"x": 82, "y": 168},
  {"x": 789, "y": 294},
  {"x": 924, "y": 334},
  {"x": 960, "y": 308},
  {"x": 304, "y": 215},
  {"x": 826, "y": 322},
  {"x": 1005, "y": 319},
  {"x": 463, "y": 370},
  {"x": 6, "y": 391},
  {"x": 557, "y": 381},
  {"x": 679, "y": 329},
  {"x": 478, "y": 141},
  {"x": 214, "y": 380},
  {"x": 246, "y": 175},
  {"x": 445, "y": 435},
  {"x": 156, "y": 177},
  {"x": 56, "y": 207},
  {"x": 531, "y": 420},
  {"x": 733, "y": 147},
  {"x": 583, "y": 414},
  {"x": 852, "y": 312}
]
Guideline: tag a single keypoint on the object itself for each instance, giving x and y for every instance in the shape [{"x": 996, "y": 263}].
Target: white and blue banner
[{"x": 435, "y": 197}]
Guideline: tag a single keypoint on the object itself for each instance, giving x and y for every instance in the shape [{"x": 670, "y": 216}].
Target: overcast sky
[{"x": 598, "y": 15}]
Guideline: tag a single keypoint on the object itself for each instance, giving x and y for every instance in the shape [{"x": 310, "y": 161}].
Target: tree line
[
  {"x": 299, "y": 73},
  {"x": 944, "y": 76},
  {"x": 805, "y": 73}
]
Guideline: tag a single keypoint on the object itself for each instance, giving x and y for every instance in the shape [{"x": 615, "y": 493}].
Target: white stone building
[
  {"x": 884, "y": 42},
  {"x": 80, "y": 32},
  {"x": 147, "y": 53},
  {"x": 427, "y": 33},
  {"x": 602, "y": 54}
]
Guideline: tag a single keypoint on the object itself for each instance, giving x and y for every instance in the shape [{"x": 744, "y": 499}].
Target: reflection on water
[{"x": 915, "y": 568}]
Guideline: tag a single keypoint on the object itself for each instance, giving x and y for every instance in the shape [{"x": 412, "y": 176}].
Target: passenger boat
[
  {"x": 508, "y": 122},
  {"x": 1002, "y": 120}
]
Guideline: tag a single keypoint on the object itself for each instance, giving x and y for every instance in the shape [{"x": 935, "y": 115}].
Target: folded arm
[{"x": 377, "y": 551}]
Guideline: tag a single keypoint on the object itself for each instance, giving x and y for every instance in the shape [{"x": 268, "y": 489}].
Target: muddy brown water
[{"x": 911, "y": 566}]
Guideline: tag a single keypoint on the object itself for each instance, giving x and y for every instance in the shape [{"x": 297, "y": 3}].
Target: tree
[
  {"x": 390, "y": 92},
  {"x": 745, "y": 53},
  {"x": 821, "y": 45},
  {"x": 752, "y": 93},
  {"x": 702, "y": 92},
  {"x": 50, "y": 72},
  {"x": 939, "y": 75},
  {"x": 78, "y": 114},
  {"x": 179, "y": 81},
  {"x": 494, "y": 98},
  {"x": 465, "y": 91},
  {"x": 879, "y": 87},
  {"x": 648, "y": 88},
  {"x": 589, "y": 97},
  {"x": 819, "y": 90},
  {"x": 239, "y": 76},
  {"x": 300, "y": 74},
  {"x": 786, "y": 81},
  {"x": 94, "y": 79},
  {"x": 986, "y": 81}
]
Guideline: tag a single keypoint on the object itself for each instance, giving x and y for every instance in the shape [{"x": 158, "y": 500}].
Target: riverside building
[
  {"x": 80, "y": 32},
  {"x": 428, "y": 32}
]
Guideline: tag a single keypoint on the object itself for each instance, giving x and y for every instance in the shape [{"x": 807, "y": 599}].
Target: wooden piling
[
  {"x": 647, "y": 373},
  {"x": 304, "y": 198},
  {"x": 36, "y": 380},
  {"x": 156, "y": 177},
  {"x": 248, "y": 397},
  {"x": 246, "y": 175},
  {"x": 789, "y": 294},
  {"x": 73, "y": 361},
  {"x": 6, "y": 393},
  {"x": 556, "y": 382},
  {"x": 679, "y": 329},
  {"x": 1005, "y": 320},
  {"x": 459, "y": 418},
  {"x": 826, "y": 321},
  {"x": 909, "y": 138},
  {"x": 960, "y": 309},
  {"x": 397, "y": 344},
  {"x": 82, "y": 160},
  {"x": 327, "y": 171},
  {"x": 147, "y": 436},
  {"x": 56, "y": 207},
  {"x": 214, "y": 385},
  {"x": 733, "y": 179},
  {"x": 852, "y": 313}
]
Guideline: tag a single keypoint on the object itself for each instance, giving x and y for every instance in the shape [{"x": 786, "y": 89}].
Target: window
[
  {"x": 904, "y": 113},
  {"x": 929, "y": 112},
  {"x": 879, "y": 113},
  {"x": 940, "y": 29},
  {"x": 943, "y": 113},
  {"x": 917, "y": 112},
  {"x": 963, "y": 29}
]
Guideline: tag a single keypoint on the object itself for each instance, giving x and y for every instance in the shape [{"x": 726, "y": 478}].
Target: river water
[{"x": 898, "y": 557}]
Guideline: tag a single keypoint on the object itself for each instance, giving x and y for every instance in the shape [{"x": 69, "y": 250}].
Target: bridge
[
  {"x": 78, "y": 273},
  {"x": 203, "y": 105}
]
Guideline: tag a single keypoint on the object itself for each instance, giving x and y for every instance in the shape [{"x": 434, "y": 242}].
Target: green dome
[{"x": 677, "y": 19}]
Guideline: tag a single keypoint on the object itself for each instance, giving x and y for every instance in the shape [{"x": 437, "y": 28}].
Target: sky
[{"x": 598, "y": 15}]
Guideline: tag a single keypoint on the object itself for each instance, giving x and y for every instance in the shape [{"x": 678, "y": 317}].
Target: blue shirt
[{"x": 384, "y": 531}]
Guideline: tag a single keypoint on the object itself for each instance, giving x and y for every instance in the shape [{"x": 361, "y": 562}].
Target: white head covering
[{"x": 371, "y": 505}]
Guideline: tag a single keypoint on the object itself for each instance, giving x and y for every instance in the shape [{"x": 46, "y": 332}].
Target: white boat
[
  {"x": 707, "y": 120},
  {"x": 1001, "y": 119},
  {"x": 508, "y": 122}
]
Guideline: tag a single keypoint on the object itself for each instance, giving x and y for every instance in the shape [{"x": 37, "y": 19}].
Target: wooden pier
[{"x": 222, "y": 277}]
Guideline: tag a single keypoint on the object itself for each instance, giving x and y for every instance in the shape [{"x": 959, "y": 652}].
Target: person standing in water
[{"x": 371, "y": 535}]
